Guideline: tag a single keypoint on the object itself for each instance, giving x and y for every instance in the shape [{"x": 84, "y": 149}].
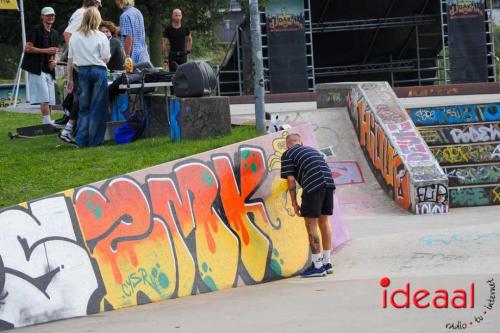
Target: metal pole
[
  {"x": 23, "y": 32},
  {"x": 258, "y": 65}
]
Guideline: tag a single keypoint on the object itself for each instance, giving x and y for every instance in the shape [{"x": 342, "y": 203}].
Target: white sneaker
[{"x": 68, "y": 138}]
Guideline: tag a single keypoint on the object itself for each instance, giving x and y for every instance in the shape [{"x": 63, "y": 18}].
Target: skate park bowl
[
  {"x": 217, "y": 220},
  {"x": 397, "y": 154}
]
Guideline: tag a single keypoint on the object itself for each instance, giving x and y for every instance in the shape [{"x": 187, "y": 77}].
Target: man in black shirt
[
  {"x": 307, "y": 166},
  {"x": 40, "y": 62},
  {"x": 177, "y": 42}
]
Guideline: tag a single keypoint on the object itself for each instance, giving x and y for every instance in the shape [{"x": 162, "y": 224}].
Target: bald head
[
  {"x": 292, "y": 140},
  {"x": 176, "y": 16}
]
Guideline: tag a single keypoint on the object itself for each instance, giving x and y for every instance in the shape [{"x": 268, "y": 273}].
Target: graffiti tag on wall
[
  {"x": 201, "y": 225},
  {"x": 457, "y": 114},
  {"x": 475, "y": 196},
  {"x": 462, "y": 134},
  {"x": 466, "y": 154},
  {"x": 474, "y": 175},
  {"x": 396, "y": 152}
]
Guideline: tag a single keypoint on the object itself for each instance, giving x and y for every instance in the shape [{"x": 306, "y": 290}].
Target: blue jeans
[{"x": 94, "y": 102}]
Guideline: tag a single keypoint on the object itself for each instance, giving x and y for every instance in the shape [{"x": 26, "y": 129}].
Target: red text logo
[{"x": 406, "y": 297}]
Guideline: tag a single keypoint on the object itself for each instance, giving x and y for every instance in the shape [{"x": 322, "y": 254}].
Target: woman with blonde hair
[{"x": 89, "y": 50}]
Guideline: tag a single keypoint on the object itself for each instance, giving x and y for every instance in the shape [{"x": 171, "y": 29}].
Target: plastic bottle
[{"x": 129, "y": 65}]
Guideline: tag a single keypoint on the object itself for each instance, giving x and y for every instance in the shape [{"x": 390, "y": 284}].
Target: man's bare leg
[
  {"x": 325, "y": 228},
  {"x": 45, "y": 110},
  {"x": 314, "y": 240}
]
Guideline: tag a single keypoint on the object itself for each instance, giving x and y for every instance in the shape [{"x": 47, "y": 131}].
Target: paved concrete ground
[
  {"x": 433, "y": 252},
  {"x": 437, "y": 252}
]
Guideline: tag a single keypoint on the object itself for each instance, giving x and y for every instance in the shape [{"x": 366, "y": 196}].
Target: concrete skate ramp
[
  {"x": 398, "y": 155},
  {"x": 333, "y": 129},
  {"x": 212, "y": 221}
]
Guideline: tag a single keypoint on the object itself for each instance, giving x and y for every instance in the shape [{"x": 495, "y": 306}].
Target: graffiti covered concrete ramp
[
  {"x": 396, "y": 152},
  {"x": 212, "y": 221},
  {"x": 358, "y": 193}
]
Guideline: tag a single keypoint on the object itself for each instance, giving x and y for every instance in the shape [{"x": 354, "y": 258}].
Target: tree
[{"x": 200, "y": 15}]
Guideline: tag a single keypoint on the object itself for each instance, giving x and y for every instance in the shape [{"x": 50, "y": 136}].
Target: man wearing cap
[
  {"x": 74, "y": 24},
  {"x": 40, "y": 63}
]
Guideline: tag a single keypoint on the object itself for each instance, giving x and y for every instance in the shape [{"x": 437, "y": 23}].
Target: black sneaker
[
  {"x": 328, "y": 268},
  {"x": 67, "y": 138},
  {"x": 62, "y": 121}
]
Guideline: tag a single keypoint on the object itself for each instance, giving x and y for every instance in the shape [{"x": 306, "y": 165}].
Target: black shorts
[{"x": 317, "y": 203}]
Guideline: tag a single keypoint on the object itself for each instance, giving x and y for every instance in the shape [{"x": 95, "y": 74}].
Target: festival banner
[
  {"x": 287, "y": 46},
  {"x": 467, "y": 41},
  {"x": 8, "y": 4}
]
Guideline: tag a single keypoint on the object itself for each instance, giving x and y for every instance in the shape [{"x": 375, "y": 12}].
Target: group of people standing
[{"x": 93, "y": 49}]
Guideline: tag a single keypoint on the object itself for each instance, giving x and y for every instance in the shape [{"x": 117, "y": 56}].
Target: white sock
[
  {"x": 316, "y": 260},
  {"x": 46, "y": 119},
  {"x": 68, "y": 128},
  {"x": 327, "y": 257}
]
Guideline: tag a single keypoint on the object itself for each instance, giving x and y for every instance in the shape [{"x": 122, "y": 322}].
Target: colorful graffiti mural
[
  {"x": 455, "y": 114},
  {"x": 213, "y": 221},
  {"x": 473, "y": 175},
  {"x": 465, "y": 141},
  {"x": 466, "y": 154},
  {"x": 396, "y": 152},
  {"x": 461, "y": 134},
  {"x": 475, "y": 196}
]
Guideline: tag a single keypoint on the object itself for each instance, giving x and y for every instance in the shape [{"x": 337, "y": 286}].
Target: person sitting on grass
[{"x": 89, "y": 50}]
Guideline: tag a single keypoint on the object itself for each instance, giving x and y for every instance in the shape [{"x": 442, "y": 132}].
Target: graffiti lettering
[
  {"x": 198, "y": 226},
  {"x": 476, "y": 196},
  {"x": 458, "y": 114},
  {"x": 435, "y": 193},
  {"x": 476, "y": 134},
  {"x": 411, "y": 144},
  {"x": 431, "y": 208},
  {"x": 466, "y": 154},
  {"x": 474, "y": 175},
  {"x": 155, "y": 279},
  {"x": 473, "y": 133},
  {"x": 496, "y": 153},
  {"x": 41, "y": 261}
]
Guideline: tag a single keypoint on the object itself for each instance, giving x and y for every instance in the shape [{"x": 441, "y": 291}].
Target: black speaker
[{"x": 194, "y": 79}]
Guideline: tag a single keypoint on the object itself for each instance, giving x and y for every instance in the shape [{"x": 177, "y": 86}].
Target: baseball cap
[{"x": 48, "y": 11}]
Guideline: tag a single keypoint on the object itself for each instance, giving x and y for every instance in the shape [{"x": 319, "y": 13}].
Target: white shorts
[{"x": 41, "y": 88}]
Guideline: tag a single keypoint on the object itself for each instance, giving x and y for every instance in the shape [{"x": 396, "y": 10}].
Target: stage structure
[{"x": 406, "y": 43}]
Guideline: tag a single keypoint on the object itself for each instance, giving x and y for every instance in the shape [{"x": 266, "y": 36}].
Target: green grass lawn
[{"x": 34, "y": 168}]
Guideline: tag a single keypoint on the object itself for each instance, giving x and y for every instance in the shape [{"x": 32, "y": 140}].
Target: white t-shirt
[
  {"x": 75, "y": 21},
  {"x": 89, "y": 50}
]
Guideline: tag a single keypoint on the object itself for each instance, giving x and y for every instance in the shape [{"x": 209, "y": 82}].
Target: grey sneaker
[{"x": 67, "y": 138}]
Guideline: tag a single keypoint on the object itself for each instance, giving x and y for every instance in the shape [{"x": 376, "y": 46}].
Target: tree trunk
[{"x": 155, "y": 37}]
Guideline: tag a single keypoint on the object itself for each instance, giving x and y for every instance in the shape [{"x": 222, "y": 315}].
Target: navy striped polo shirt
[{"x": 308, "y": 167}]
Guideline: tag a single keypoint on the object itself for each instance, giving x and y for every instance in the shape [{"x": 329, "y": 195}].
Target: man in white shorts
[{"x": 40, "y": 62}]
